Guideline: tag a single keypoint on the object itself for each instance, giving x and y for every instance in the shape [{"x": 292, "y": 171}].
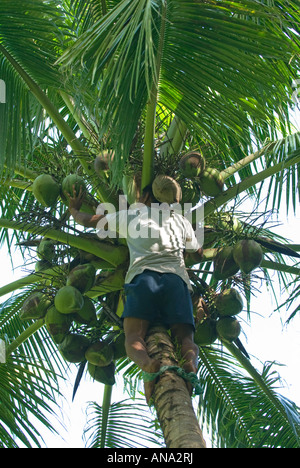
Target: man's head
[{"x": 147, "y": 196}]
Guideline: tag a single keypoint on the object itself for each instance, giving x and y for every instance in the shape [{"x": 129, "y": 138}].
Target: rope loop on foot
[{"x": 188, "y": 376}]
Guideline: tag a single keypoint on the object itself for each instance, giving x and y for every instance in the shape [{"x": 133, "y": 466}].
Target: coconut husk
[
  {"x": 104, "y": 375},
  {"x": 211, "y": 182},
  {"x": 73, "y": 347},
  {"x": 57, "y": 324},
  {"x": 166, "y": 190},
  {"x": 35, "y": 306},
  {"x": 46, "y": 250},
  {"x": 82, "y": 277},
  {"x": 71, "y": 181},
  {"x": 224, "y": 264},
  {"x": 229, "y": 302},
  {"x": 192, "y": 164},
  {"x": 46, "y": 190},
  {"x": 248, "y": 254},
  {"x": 68, "y": 300},
  {"x": 228, "y": 328},
  {"x": 87, "y": 315},
  {"x": 100, "y": 354},
  {"x": 206, "y": 333}
]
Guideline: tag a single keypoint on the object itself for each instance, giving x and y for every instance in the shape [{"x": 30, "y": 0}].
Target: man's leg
[
  {"x": 135, "y": 331},
  {"x": 183, "y": 334}
]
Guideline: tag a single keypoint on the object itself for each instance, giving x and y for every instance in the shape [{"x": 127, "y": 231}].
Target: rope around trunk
[{"x": 190, "y": 377}]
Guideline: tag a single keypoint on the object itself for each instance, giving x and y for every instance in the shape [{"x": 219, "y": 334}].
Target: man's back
[{"x": 156, "y": 239}]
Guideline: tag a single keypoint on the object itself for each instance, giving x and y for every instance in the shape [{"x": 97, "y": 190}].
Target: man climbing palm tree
[{"x": 157, "y": 286}]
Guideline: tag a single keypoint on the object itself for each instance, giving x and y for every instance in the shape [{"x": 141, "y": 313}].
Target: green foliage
[
  {"x": 237, "y": 410},
  {"x": 122, "y": 417}
]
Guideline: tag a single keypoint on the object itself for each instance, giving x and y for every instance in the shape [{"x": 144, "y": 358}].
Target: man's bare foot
[{"x": 153, "y": 368}]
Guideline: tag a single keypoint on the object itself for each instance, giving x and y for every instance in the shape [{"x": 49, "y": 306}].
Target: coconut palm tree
[{"x": 116, "y": 92}]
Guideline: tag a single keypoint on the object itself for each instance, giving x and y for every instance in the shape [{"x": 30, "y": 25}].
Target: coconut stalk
[
  {"x": 247, "y": 160},
  {"x": 24, "y": 172},
  {"x": 247, "y": 183},
  {"x": 171, "y": 397},
  {"x": 20, "y": 184},
  {"x": 149, "y": 139},
  {"x": 174, "y": 139},
  {"x": 31, "y": 330},
  {"x": 105, "y": 413},
  {"x": 112, "y": 254}
]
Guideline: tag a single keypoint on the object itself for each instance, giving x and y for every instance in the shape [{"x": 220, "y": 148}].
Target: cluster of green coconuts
[
  {"x": 245, "y": 256},
  {"x": 194, "y": 177},
  {"x": 47, "y": 189},
  {"x": 70, "y": 306}
]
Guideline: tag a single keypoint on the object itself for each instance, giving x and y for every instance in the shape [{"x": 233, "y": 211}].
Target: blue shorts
[{"x": 159, "y": 297}]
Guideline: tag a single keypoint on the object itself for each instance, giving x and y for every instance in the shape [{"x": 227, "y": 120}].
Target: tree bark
[{"x": 172, "y": 401}]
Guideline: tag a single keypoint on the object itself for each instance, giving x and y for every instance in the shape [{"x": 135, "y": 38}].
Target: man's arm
[{"x": 85, "y": 219}]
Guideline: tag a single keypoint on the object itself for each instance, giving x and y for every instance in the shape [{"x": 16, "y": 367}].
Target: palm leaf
[
  {"x": 123, "y": 416},
  {"x": 203, "y": 83},
  {"x": 25, "y": 394},
  {"x": 239, "y": 412}
]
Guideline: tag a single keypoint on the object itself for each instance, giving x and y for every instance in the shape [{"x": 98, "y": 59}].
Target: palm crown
[{"x": 118, "y": 92}]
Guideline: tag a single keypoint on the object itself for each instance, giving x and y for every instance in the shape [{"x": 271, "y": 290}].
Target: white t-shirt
[{"x": 156, "y": 240}]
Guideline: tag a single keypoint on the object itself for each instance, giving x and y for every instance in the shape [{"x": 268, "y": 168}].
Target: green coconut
[
  {"x": 100, "y": 354},
  {"x": 224, "y": 264},
  {"x": 42, "y": 265},
  {"x": 35, "y": 306},
  {"x": 71, "y": 181},
  {"x": 190, "y": 192},
  {"x": 45, "y": 190},
  {"x": 248, "y": 254},
  {"x": 166, "y": 190},
  {"x": 104, "y": 375},
  {"x": 131, "y": 184},
  {"x": 87, "y": 315},
  {"x": 229, "y": 222},
  {"x": 119, "y": 346},
  {"x": 205, "y": 333},
  {"x": 68, "y": 300},
  {"x": 82, "y": 277},
  {"x": 46, "y": 250},
  {"x": 211, "y": 182},
  {"x": 192, "y": 164},
  {"x": 229, "y": 302},
  {"x": 228, "y": 328},
  {"x": 57, "y": 324},
  {"x": 73, "y": 347}
]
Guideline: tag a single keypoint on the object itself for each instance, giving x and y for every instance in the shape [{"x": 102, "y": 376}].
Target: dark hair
[{"x": 148, "y": 190}]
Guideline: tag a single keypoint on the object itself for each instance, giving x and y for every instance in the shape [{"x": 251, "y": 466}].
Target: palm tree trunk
[{"x": 171, "y": 397}]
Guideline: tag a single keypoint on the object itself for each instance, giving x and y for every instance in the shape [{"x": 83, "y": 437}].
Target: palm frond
[
  {"x": 203, "y": 83},
  {"x": 238, "y": 411},
  {"x": 123, "y": 416},
  {"x": 25, "y": 394}
]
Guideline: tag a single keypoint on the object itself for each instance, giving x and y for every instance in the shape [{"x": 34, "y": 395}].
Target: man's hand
[{"x": 75, "y": 201}]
